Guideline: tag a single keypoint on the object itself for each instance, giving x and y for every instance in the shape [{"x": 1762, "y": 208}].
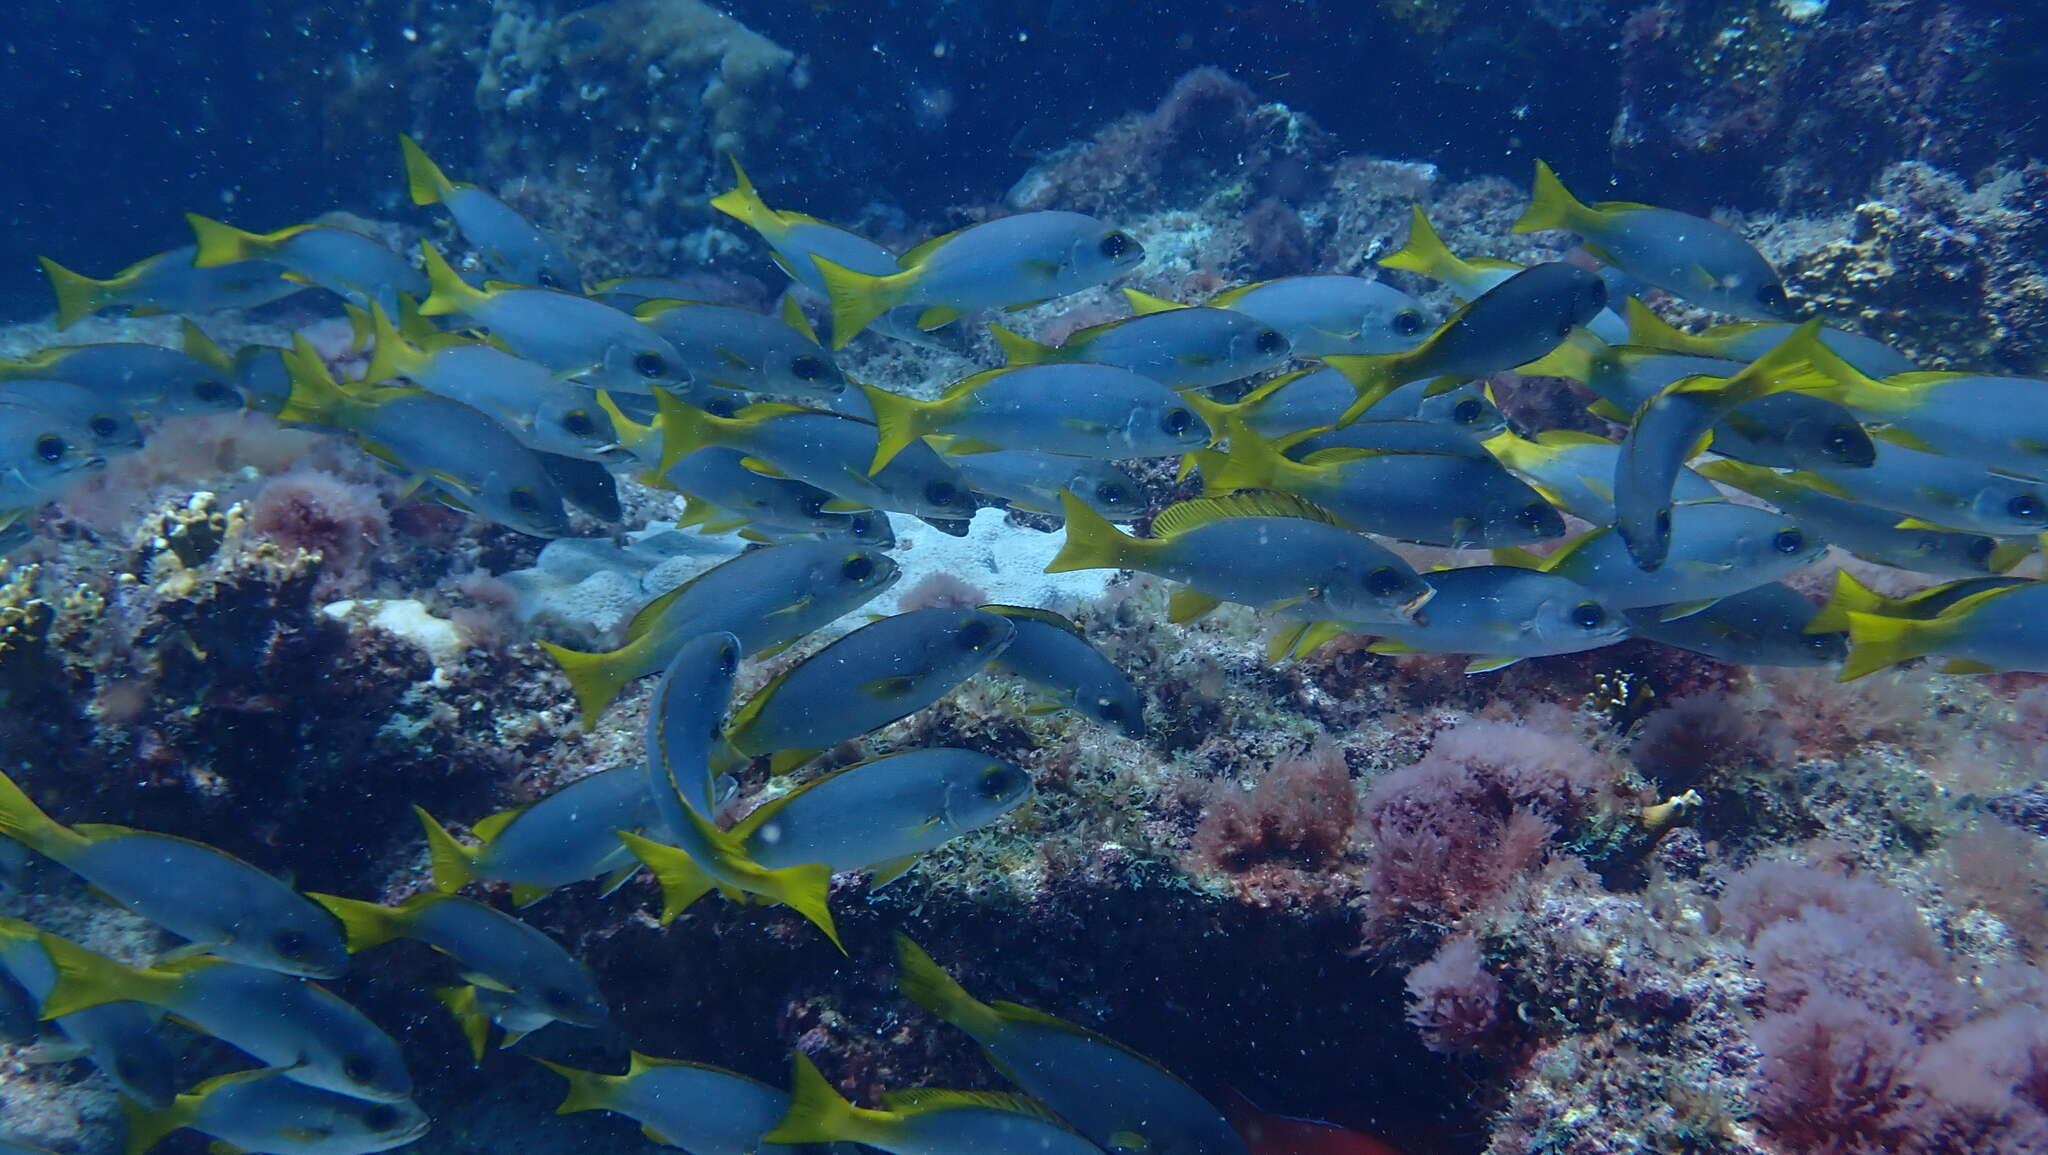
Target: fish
[
  {"x": 584, "y": 484},
  {"x": 706, "y": 858},
  {"x": 1989, "y": 631},
  {"x": 1050, "y": 652},
  {"x": 684, "y": 726},
  {"x": 1331, "y": 313},
  {"x": 1868, "y": 531},
  {"x": 576, "y": 337},
  {"x": 1116, "y": 1097},
  {"x": 1426, "y": 254},
  {"x": 286, "y": 1022},
  {"x": 1770, "y": 625},
  {"x": 43, "y": 452},
  {"x": 120, "y": 1039},
  {"x": 455, "y": 454},
  {"x": 1031, "y": 481},
  {"x": 1267, "y": 1133},
  {"x": 721, "y": 493},
  {"x": 208, "y": 897},
  {"x": 545, "y": 413},
  {"x": 923, "y": 1122},
  {"x": 168, "y": 282},
  {"x": 1953, "y": 414},
  {"x": 1181, "y": 347},
  {"x": 882, "y": 814},
  {"x": 1852, "y": 595},
  {"x": 1499, "y": 614},
  {"x": 1398, "y": 436},
  {"x": 1270, "y": 550},
  {"x": 1575, "y": 471},
  {"x": 1317, "y": 398},
  {"x": 703, "y": 1109},
  {"x": 828, "y": 450},
  {"x": 112, "y": 430},
  {"x": 564, "y": 838},
  {"x": 737, "y": 348},
  {"x": 342, "y": 261},
  {"x": 873, "y": 676},
  {"x": 794, "y": 239},
  {"x": 1080, "y": 409},
  {"x": 1448, "y": 499},
  {"x": 1669, "y": 427},
  {"x": 1748, "y": 340},
  {"x": 493, "y": 949},
  {"x": 1511, "y": 324},
  {"x": 263, "y": 1110},
  {"x": 1718, "y": 549},
  {"x": 1706, "y": 263},
  {"x": 1933, "y": 490},
  {"x": 145, "y": 379},
  {"x": 513, "y": 247},
  {"x": 767, "y": 598},
  {"x": 996, "y": 264}
]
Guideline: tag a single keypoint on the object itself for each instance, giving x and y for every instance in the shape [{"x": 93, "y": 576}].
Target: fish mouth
[{"x": 1412, "y": 608}]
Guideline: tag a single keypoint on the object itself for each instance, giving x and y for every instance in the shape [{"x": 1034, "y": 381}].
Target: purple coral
[
  {"x": 344, "y": 522},
  {"x": 1301, "y": 814},
  {"x": 1453, "y": 999}
]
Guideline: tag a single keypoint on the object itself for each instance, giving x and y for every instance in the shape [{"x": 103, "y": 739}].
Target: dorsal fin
[
  {"x": 1029, "y": 613},
  {"x": 1175, "y": 520},
  {"x": 1143, "y": 302},
  {"x": 923, "y": 1100}
]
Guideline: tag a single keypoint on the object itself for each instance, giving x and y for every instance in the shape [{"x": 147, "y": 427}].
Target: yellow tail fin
[
  {"x": 24, "y": 822},
  {"x": 899, "y": 420},
  {"x": 743, "y": 203},
  {"x": 423, "y": 178},
  {"x": 148, "y": 1126},
  {"x": 857, "y": 298},
  {"x": 927, "y": 984},
  {"x": 1091, "y": 541},
  {"x": 684, "y": 428},
  {"x": 1575, "y": 358},
  {"x": 1651, "y": 331},
  {"x": 1551, "y": 205},
  {"x": 1425, "y": 252},
  {"x": 1021, "y": 350},
  {"x": 1878, "y": 642},
  {"x": 1849, "y": 596},
  {"x": 78, "y": 296},
  {"x": 392, "y": 355},
  {"x": 449, "y": 294},
  {"x": 316, "y": 398},
  {"x": 1251, "y": 463},
  {"x": 224, "y": 244},
  {"x": 454, "y": 863},
  {"x": 87, "y": 979},
  {"x": 595, "y": 678},
  {"x": 819, "y": 1114},
  {"x": 682, "y": 881},
  {"x": 588, "y": 1090},
  {"x": 1372, "y": 375},
  {"x": 367, "y": 924},
  {"x": 470, "y": 1018}
]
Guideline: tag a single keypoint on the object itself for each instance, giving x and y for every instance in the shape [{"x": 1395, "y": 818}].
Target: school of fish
[{"x": 1330, "y": 421}]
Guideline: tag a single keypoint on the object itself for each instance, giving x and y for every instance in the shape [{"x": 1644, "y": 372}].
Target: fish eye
[
  {"x": 721, "y": 406},
  {"x": 861, "y": 526},
  {"x": 1821, "y": 643},
  {"x": 577, "y": 423},
  {"x": 1111, "y": 711},
  {"x": 2024, "y": 506},
  {"x": 1270, "y": 341},
  {"x": 1772, "y": 296},
  {"x": 811, "y": 505},
  {"x": 1408, "y": 322},
  {"x": 942, "y": 493},
  {"x": 547, "y": 280},
  {"x": 1534, "y": 516},
  {"x": 728, "y": 660},
  {"x": 382, "y": 1116},
  {"x": 50, "y": 447},
  {"x": 289, "y": 944},
  {"x": 1979, "y": 551},
  {"x": 858, "y": 568},
  {"x": 1468, "y": 411},
  {"x": 1788, "y": 541},
  {"x": 523, "y": 501},
  {"x": 650, "y": 365},
  {"x": 1115, "y": 245},
  {"x": 357, "y": 1069},
  {"x": 996, "y": 782},
  {"x": 807, "y": 368},
  {"x": 1841, "y": 441},
  {"x": 103, "y": 427},
  {"x": 1176, "y": 421},
  {"x": 1664, "y": 523},
  {"x": 210, "y": 391},
  {"x": 1111, "y": 493},
  {"x": 1588, "y": 615},
  {"x": 974, "y": 635},
  {"x": 1383, "y": 582}
]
